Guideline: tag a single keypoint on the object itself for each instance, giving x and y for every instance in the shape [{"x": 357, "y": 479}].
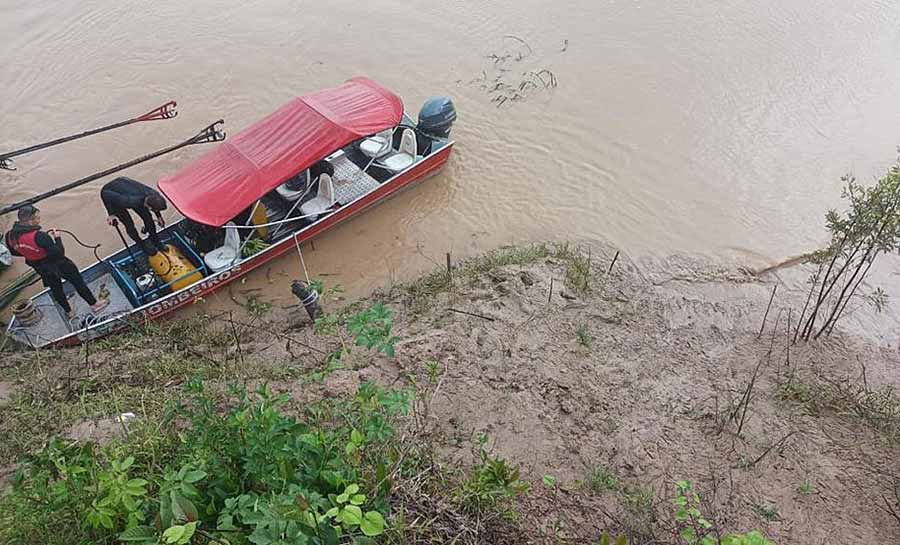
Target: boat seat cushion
[
  {"x": 377, "y": 145},
  {"x": 404, "y": 158},
  {"x": 223, "y": 257},
  {"x": 294, "y": 188},
  {"x": 323, "y": 200}
]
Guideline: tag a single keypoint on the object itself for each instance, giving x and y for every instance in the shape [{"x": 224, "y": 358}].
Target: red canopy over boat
[{"x": 219, "y": 185}]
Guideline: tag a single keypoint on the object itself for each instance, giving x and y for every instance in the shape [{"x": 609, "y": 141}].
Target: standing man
[
  {"x": 44, "y": 252},
  {"x": 124, "y": 194}
]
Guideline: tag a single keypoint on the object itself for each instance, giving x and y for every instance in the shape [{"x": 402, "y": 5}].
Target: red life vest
[{"x": 26, "y": 246}]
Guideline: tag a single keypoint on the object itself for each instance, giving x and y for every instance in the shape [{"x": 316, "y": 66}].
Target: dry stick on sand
[
  {"x": 744, "y": 406},
  {"x": 483, "y": 317},
  {"x": 766, "y": 316},
  {"x": 772, "y": 446},
  {"x": 615, "y": 257}
]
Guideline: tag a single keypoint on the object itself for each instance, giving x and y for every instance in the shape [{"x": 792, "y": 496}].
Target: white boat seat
[
  {"x": 223, "y": 257},
  {"x": 323, "y": 200},
  {"x": 404, "y": 158},
  {"x": 299, "y": 181},
  {"x": 378, "y": 145}
]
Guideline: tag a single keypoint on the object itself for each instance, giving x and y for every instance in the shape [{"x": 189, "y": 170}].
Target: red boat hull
[{"x": 428, "y": 167}]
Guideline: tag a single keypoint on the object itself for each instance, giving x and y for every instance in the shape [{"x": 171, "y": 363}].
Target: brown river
[{"x": 716, "y": 127}]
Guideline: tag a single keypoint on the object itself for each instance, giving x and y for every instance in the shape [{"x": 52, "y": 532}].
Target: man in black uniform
[
  {"x": 124, "y": 194},
  {"x": 44, "y": 252}
]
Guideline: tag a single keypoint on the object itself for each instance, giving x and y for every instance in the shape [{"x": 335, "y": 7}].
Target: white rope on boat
[
  {"x": 302, "y": 261},
  {"x": 279, "y": 222}
]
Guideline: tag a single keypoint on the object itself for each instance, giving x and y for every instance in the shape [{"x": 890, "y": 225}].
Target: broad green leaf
[
  {"x": 261, "y": 536},
  {"x": 225, "y": 522},
  {"x": 194, "y": 476},
  {"x": 174, "y": 534},
  {"x": 136, "y": 483},
  {"x": 372, "y": 524},
  {"x": 189, "y": 530},
  {"x": 127, "y": 463},
  {"x": 356, "y": 437},
  {"x": 138, "y": 533},
  {"x": 358, "y": 499},
  {"x": 680, "y": 500},
  {"x": 621, "y": 540},
  {"x": 756, "y": 538},
  {"x": 189, "y": 490},
  {"x": 352, "y": 489},
  {"x": 549, "y": 481},
  {"x": 129, "y": 502},
  {"x": 332, "y": 512},
  {"x": 351, "y": 515},
  {"x": 342, "y": 498},
  {"x": 350, "y": 449},
  {"x": 604, "y": 539},
  {"x": 106, "y": 521}
]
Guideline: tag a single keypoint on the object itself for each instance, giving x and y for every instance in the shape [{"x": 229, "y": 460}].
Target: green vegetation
[
  {"x": 870, "y": 227},
  {"x": 584, "y": 338},
  {"x": 767, "y": 511},
  {"x": 578, "y": 274},
  {"x": 441, "y": 281},
  {"x": 805, "y": 488},
  {"x": 204, "y": 463},
  {"x": 602, "y": 479},
  {"x": 879, "y": 409},
  {"x": 257, "y": 307},
  {"x": 250, "y": 473},
  {"x": 491, "y": 484},
  {"x": 254, "y": 246},
  {"x": 695, "y": 529}
]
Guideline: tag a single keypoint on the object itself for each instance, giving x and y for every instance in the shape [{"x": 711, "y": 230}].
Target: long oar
[
  {"x": 212, "y": 133},
  {"x": 166, "y": 111}
]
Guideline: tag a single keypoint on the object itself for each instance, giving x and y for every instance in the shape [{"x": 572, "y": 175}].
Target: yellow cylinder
[
  {"x": 261, "y": 217},
  {"x": 172, "y": 266}
]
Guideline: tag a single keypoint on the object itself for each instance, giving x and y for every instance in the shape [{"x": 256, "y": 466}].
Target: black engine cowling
[{"x": 437, "y": 116}]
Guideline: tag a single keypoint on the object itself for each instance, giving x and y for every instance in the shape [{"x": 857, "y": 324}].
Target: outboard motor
[{"x": 436, "y": 117}]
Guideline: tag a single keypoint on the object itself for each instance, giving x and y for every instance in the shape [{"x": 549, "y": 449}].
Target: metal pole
[
  {"x": 166, "y": 111},
  {"x": 212, "y": 133}
]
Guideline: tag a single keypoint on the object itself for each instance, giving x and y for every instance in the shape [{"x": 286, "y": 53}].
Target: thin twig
[
  {"x": 766, "y": 315},
  {"x": 483, "y": 317},
  {"x": 615, "y": 257},
  {"x": 775, "y": 444}
]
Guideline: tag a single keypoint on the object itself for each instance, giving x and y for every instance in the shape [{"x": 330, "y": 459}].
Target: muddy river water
[{"x": 718, "y": 127}]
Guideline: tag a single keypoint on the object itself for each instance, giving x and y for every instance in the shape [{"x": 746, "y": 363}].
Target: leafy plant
[
  {"x": 767, "y": 511},
  {"x": 492, "y": 481},
  {"x": 257, "y": 307},
  {"x": 870, "y": 227},
  {"x": 695, "y": 529},
  {"x": 805, "y": 488},
  {"x": 602, "y": 479},
  {"x": 238, "y": 466},
  {"x": 254, "y": 246},
  {"x": 372, "y": 329},
  {"x": 584, "y": 338},
  {"x": 578, "y": 274},
  {"x": 433, "y": 369},
  {"x": 605, "y": 539}
]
